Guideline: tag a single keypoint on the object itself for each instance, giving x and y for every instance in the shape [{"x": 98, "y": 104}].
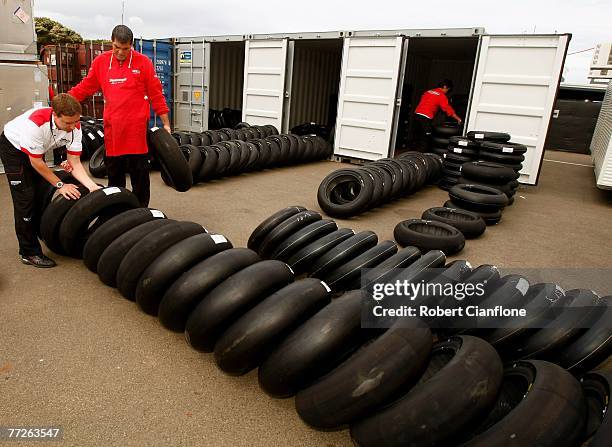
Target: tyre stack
[
  {"x": 460, "y": 150},
  {"x": 440, "y": 137},
  {"x": 93, "y": 137},
  {"x": 485, "y": 201},
  {"x": 496, "y": 147},
  {"x": 349, "y": 192},
  {"x": 494, "y": 175}
]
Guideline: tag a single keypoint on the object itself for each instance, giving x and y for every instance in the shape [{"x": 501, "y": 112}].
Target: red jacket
[
  {"x": 129, "y": 88},
  {"x": 431, "y": 101}
]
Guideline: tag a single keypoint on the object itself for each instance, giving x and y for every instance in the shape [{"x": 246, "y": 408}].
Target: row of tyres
[
  {"x": 349, "y": 192},
  {"x": 391, "y": 387},
  {"x": 473, "y": 387},
  {"x": 215, "y": 154}
]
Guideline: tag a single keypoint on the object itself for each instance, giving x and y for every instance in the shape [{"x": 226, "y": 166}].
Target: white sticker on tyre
[
  {"x": 457, "y": 150},
  {"x": 101, "y": 133},
  {"x": 90, "y": 135},
  {"x": 463, "y": 143},
  {"x": 522, "y": 286},
  {"x": 111, "y": 190},
  {"x": 507, "y": 150},
  {"x": 158, "y": 214},
  {"x": 326, "y": 287},
  {"x": 153, "y": 129},
  {"x": 479, "y": 136},
  {"x": 218, "y": 239},
  {"x": 290, "y": 269}
]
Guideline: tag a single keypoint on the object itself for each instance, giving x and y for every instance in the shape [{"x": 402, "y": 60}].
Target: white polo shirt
[{"x": 35, "y": 133}]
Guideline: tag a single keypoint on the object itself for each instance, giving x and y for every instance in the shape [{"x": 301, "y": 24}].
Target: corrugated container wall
[
  {"x": 314, "y": 70},
  {"x": 226, "y": 75},
  {"x": 17, "y": 32},
  {"x": 69, "y": 64},
  {"x": 601, "y": 145},
  {"x": 161, "y": 53},
  {"x": 22, "y": 87}
]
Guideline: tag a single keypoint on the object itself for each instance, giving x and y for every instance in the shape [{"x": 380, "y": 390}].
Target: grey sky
[{"x": 587, "y": 20}]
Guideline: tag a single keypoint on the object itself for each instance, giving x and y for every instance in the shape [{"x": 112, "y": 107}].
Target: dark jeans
[
  {"x": 423, "y": 127},
  {"x": 28, "y": 189},
  {"x": 137, "y": 166}
]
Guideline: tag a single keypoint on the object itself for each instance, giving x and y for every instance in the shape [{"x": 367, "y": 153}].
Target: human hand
[
  {"x": 70, "y": 192},
  {"x": 66, "y": 166},
  {"x": 95, "y": 187},
  {"x": 168, "y": 129}
]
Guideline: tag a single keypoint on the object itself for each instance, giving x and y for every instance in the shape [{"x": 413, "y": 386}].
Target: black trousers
[
  {"x": 424, "y": 129},
  {"x": 137, "y": 166},
  {"x": 28, "y": 189}
]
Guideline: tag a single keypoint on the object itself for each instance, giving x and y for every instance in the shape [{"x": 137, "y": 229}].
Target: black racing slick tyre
[
  {"x": 480, "y": 135},
  {"x": 101, "y": 204},
  {"x": 314, "y": 348},
  {"x": 114, "y": 228},
  {"x": 429, "y": 235},
  {"x": 262, "y": 230},
  {"x": 535, "y": 391},
  {"x": 245, "y": 344},
  {"x": 348, "y": 275},
  {"x": 456, "y": 391},
  {"x": 192, "y": 286},
  {"x": 145, "y": 251},
  {"x": 231, "y": 299},
  {"x": 111, "y": 257},
  {"x": 171, "y": 160},
  {"x": 169, "y": 266},
  {"x": 470, "y": 224},
  {"x": 356, "y": 388}
]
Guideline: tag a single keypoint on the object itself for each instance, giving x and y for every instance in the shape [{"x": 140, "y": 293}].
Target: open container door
[
  {"x": 192, "y": 77},
  {"x": 265, "y": 63},
  {"x": 517, "y": 78},
  {"x": 367, "y": 97}
]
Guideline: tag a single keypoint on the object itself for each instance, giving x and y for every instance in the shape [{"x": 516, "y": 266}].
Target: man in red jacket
[
  {"x": 431, "y": 102},
  {"x": 130, "y": 86}
]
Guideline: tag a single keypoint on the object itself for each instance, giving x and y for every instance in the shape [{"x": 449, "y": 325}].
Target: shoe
[{"x": 40, "y": 261}]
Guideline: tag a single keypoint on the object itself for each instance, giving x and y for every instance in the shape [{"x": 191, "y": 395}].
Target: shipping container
[
  {"x": 68, "y": 64},
  {"x": 161, "y": 54},
  {"x": 574, "y": 117},
  {"x": 209, "y": 76},
  {"x": 601, "y": 145},
  {"x": 17, "y": 31},
  {"x": 504, "y": 83},
  {"x": 22, "y": 87}
]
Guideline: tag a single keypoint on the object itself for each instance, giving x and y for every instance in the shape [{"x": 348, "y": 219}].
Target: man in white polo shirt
[{"x": 22, "y": 147}]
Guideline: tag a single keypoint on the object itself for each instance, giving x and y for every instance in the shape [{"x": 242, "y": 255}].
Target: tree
[{"x": 50, "y": 32}]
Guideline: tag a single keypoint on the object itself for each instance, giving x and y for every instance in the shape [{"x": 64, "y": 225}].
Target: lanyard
[{"x": 53, "y": 136}]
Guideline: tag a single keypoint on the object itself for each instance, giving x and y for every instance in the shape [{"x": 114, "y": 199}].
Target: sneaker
[{"x": 40, "y": 261}]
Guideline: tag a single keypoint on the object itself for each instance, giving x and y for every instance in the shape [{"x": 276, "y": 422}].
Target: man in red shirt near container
[
  {"x": 128, "y": 81},
  {"x": 431, "y": 102}
]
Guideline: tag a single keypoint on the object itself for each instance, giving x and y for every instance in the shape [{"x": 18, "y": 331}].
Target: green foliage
[{"x": 50, "y": 32}]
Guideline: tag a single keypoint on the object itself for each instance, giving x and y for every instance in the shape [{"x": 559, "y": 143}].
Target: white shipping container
[
  {"x": 601, "y": 144},
  {"x": 367, "y": 84},
  {"x": 17, "y": 32},
  {"x": 22, "y": 87}
]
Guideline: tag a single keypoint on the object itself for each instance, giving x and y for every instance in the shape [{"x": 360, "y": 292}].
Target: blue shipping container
[{"x": 160, "y": 52}]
